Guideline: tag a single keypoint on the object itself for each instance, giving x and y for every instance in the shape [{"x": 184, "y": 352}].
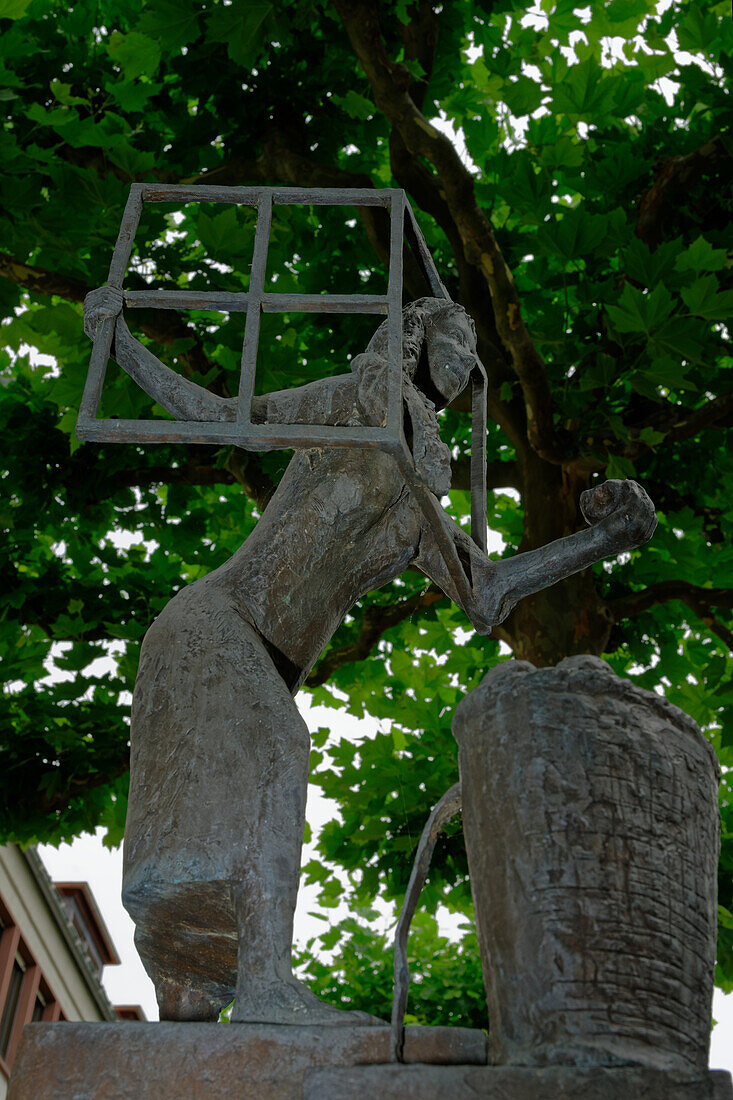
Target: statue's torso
[{"x": 340, "y": 524}]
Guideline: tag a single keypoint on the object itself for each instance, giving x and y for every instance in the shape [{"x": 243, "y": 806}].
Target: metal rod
[
  {"x": 423, "y": 256},
  {"x": 238, "y": 302},
  {"x": 251, "y": 196},
  {"x": 324, "y": 303},
  {"x": 478, "y": 458},
  {"x": 258, "y": 437},
  {"x": 126, "y": 236},
  {"x": 254, "y": 310},
  {"x": 443, "y": 811},
  {"x": 336, "y": 196},
  {"x": 104, "y": 335},
  {"x": 201, "y": 192},
  {"x": 395, "y": 410},
  {"x": 221, "y": 301},
  {"x": 97, "y": 370}
]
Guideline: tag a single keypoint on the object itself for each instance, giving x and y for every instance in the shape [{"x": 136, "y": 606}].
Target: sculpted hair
[
  {"x": 431, "y": 455},
  {"x": 416, "y": 317}
]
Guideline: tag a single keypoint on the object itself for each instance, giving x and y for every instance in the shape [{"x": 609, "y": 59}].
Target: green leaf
[
  {"x": 585, "y": 91},
  {"x": 577, "y": 233},
  {"x": 528, "y": 189},
  {"x": 619, "y": 467},
  {"x": 355, "y": 105},
  {"x": 62, "y": 92},
  {"x": 135, "y": 53},
  {"x": 402, "y": 11},
  {"x": 704, "y": 300},
  {"x": 651, "y": 437},
  {"x": 241, "y": 26},
  {"x": 522, "y": 96},
  {"x": 698, "y": 30},
  {"x": 701, "y": 256},
  {"x": 678, "y": 337},
  {"x": 651, "y": 267},
  {"x": 668, "y": 371},
  {"x": 13, "y": 9},
  {"x": 222, "y": 234},
  {"x": 58, "y": 116},
  {"x": 133, "y": 96},
  {"x": 174, "y": 23},
  {"x": 132, "y": 161},
  {"x": 639, "y": 312}
]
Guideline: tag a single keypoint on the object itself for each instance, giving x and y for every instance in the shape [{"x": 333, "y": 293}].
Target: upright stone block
[{"x": 591, "y": 821}]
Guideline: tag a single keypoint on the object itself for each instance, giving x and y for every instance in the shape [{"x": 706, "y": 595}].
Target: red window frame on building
[{"x": 32, "y": 997}]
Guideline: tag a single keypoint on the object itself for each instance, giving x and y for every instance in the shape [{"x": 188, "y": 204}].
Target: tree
[{"x": 585, "y": 226}]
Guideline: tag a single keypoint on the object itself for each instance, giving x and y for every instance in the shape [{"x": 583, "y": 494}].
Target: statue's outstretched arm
[
  {"x": 621, "y": 516},
  {"x": 178, "y": 396},
  {"x": 328, "y": 401}
]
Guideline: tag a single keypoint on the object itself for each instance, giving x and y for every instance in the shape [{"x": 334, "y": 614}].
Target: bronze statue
[{"x": 220, "y": 754}]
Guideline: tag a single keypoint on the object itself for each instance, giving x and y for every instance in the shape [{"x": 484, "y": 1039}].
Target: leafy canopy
[{"x": 580, "y": 211}]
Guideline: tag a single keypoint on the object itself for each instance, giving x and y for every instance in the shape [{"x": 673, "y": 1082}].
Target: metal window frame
[{"x": 262, "y": 437}]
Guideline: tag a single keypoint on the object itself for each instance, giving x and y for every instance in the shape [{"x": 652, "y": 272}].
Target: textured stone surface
[
  {"x": 591, "y": 822},
  {"x": 134, "y": 1061},
  {"x": 511, "y": 1083}
]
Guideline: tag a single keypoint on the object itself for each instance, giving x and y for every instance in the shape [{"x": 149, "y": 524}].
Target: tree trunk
[{"x": 569, "y": 618}]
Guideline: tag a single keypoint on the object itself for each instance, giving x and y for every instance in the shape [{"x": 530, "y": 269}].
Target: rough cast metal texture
[
  {"x": 253, "y": 433},
  {"x": 243, "y": 431},
  {"x": 512, "y": 1083},
  {"x": 219, "y": 752},
  {"x": 133, "y": 1061},
  {"x": 591, "y": 821}
]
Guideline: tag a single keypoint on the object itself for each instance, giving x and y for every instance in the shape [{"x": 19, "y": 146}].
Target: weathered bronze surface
[
  {"x": 219, "y": 752},
  {"x": 590, "y": 813}
]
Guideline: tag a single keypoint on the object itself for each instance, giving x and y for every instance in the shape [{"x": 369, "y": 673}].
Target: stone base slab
[
  {"x": 121, "y": 1061},
  {"x": 393, "y": 1082}
]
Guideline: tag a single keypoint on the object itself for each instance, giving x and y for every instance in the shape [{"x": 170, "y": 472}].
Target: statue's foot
[{"x": 291, "y": 1002}]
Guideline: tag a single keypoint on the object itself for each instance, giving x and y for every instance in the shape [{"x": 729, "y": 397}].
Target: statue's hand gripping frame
[{"x": 256, "y": 301}]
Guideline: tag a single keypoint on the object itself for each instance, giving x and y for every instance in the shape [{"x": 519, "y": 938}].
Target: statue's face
[{"x": 451, "y": 350}]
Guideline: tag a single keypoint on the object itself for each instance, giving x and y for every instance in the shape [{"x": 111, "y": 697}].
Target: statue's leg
[
  {"x": 265, "y": 895},
  {"x": 219, "y": 774}
]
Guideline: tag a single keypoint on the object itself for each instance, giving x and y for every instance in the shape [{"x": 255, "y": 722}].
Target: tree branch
[
  {"x": 375, "y": 621},
  {"x": 40, "y": 281},
  {"x": 676, "y": 422},
  {"x": 671, "y": 176},
  {"x": 390, "y": 84},
  {"x": 282, "y": 162},
  {"x": 699, "y": 600},
  {"x": 163, "y": 326},
  {"x": 45, "y": 804},
  {"x": 680, "y": 424}
]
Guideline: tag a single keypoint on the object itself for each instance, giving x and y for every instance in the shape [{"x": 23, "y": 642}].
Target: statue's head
[
  {"x": 450, "y": 352},
  {"x": 438, "y": 358},
  {"x": 438, "y": 347}
]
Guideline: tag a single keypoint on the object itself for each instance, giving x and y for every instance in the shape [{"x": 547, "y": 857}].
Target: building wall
[{"x": 46, "y": 939}]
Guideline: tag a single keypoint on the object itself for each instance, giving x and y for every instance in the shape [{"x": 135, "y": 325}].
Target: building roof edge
[{"x": 47, "y": 888}]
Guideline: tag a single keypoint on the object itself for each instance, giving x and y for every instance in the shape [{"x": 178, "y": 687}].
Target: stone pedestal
[
  {"x": 591, "y": 821},
  {"x": 137, "y": 1061},
  {"x": 512, "y": 1083}
]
